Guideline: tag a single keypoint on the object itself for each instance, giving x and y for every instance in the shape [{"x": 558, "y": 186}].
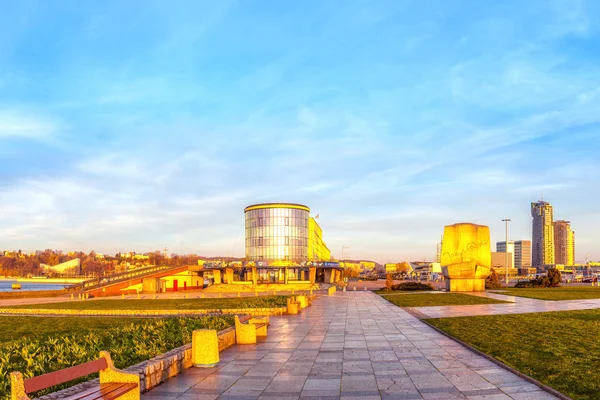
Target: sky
[{"x": 144, "y": 125}]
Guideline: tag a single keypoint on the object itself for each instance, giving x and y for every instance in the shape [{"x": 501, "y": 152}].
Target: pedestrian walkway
[
  {"x": 517, "y": 305},
  {"x": 351, "y": 345}
]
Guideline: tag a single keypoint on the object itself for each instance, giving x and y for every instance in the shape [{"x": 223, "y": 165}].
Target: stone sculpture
[{"x": 466, "y": 257}]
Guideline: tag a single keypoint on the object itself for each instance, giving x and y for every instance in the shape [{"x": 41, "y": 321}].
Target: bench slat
[
  {"x": 64, "y": 375},
  {"x": 106, "y": 391}
]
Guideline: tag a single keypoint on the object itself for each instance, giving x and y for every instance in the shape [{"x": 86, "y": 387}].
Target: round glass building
[{"x": 277, "y": 231}]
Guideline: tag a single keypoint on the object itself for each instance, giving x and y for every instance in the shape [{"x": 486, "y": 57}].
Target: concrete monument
[{"x": 466, "y": 257}]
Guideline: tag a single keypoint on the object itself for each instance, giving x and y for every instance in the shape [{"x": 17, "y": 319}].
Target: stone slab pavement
[
  {"x": 517, "y": 305},
  {"x": 352, "y": 345}
]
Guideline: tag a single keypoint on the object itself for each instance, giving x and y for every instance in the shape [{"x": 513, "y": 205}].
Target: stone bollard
[
  {"x": 239, "y": 294},
  {"x": 365, "y": 288},
  {"x": 139, "y": 296},
  {"x": 292, "y": 292},
  {"x": 205, "y": 348},
  {"x": 122, "y": 296},
  {"x": 274, "y": 292},
  {"x": 292, "y": 306},
  {"x": 355, "y": 288},
  {"x": 220, "y": 295},
  {"x": 256, "y": 293},
  {"x": 344, "y": 288},
  {"x": 202, "y": 296},
  {"x": 87, "y": 296},
  {"x": 72, "y": 296}
]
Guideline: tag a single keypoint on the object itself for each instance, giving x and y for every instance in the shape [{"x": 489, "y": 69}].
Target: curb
[{"x": 539, "y": 384}]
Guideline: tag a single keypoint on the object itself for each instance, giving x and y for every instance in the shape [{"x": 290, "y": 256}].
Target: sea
[{"x": 6, "y": 286}]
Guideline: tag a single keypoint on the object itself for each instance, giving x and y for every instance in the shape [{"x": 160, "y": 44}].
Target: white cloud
[{"x": 18, "y": 124}]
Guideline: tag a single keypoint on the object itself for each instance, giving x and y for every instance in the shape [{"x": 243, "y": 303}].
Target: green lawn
[
  {"x": 12, "y": 328},
  {"x": 436, "y": 299},
  {"x": 559, "y": 293},
  {"x": 560, "y": 349},
  {"x": 165, "y": 304}
]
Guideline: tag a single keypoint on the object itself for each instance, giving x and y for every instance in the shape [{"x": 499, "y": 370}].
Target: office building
[
  {"x": 522, "y": 254},
  {"x": 542, "y": 234},
  {"x": 564, "y": 243},
  {"x": 501, "y": 248},
  {"x": 283, "y": 244},
  {"x": 499, "y": 260}
]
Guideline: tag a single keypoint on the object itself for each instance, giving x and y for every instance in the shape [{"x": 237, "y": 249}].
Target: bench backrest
[{"x": 64, "y": 375}]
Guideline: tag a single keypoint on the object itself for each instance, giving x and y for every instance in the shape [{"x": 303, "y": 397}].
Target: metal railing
[{"x": 124, "y": 276}]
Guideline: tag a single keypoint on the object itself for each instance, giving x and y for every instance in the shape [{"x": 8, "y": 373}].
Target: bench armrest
[{"x": 113, "y": 375}]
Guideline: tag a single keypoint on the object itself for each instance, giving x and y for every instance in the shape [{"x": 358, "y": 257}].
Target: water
[{"x": 6, "y": 286}]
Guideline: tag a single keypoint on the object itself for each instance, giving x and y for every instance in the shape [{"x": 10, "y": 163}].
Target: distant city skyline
[{"x": 389, "y": 119}]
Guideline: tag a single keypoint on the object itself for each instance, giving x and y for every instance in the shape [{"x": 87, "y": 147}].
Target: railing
[{"x": 124, "y": 276}]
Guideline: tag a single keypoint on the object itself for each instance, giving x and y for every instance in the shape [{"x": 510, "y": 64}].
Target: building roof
[{"x": 276, "y": 205}]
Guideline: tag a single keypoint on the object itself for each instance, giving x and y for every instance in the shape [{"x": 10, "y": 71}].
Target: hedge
[
  {"x": 412, "y": 286},
  {"x": 127, "y": 346}
]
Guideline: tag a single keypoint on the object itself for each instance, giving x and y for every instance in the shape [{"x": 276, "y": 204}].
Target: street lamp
[
  {"x": 343, "y": 248},
  {"x": 506, "y": 220}
]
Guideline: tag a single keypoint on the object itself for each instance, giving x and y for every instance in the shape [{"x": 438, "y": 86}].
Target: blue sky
[{"x": 143, "y": 125}]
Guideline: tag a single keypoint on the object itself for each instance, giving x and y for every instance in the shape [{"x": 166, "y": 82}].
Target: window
[
  {"x": 260, "y": 241},
  {"x": 287, "y": 240},
  {"x": 287, "y": 221},
  {"x": 260, "y": 222}
]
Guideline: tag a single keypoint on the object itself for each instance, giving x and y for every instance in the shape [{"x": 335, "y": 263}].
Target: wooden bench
[
  {"x": 114, "y": 383},
  {"x": 247, "y": 333}
]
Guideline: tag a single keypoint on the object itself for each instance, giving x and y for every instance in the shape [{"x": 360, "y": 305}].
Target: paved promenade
[
  {"x": 517, "y": 305},
  {"x": 351, "y": 345}
]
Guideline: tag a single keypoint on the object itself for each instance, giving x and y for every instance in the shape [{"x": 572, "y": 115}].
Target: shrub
[
  {"x": 389, "y": 282},
  {"x": 491, "y": 282},
  {"x": 412, "y": 286},
  {"x": 127, "y": 346},
  {"x": 551, "y": 279}
]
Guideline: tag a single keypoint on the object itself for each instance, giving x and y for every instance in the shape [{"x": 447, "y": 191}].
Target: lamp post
[
  {"x": 343, "y": 248},
  {"x": 506, "y": 220}
]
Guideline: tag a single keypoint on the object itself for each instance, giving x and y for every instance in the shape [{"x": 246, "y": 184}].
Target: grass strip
[
  {"x": 436, "y": 299},
  {"x": 13, "y": 328},
  {"x": 555, "y": 294},
  {"x": 29, "y": 294},
  {"x": 164, "y": 304},
  {"x": 559, "y": 349}
]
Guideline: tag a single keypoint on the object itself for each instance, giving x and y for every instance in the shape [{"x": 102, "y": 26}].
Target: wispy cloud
[{"x": 23, "y": 125}]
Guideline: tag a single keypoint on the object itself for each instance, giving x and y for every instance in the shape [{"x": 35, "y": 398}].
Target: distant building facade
[
  {"x": 542, "y": 236},
  {"x": 499, "y": 260},
  {"x": 522, "y": 253},
  {"x": 501, "y": 248},
  {"x": 564, "y": 243}
]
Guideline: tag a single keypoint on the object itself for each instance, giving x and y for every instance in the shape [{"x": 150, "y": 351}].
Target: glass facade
[{"x": 277, "y": 232}]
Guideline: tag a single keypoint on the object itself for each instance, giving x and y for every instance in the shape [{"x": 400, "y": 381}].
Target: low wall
[
  {"x": 158, "y": 369},
  {"x": 145, "y": 313}
]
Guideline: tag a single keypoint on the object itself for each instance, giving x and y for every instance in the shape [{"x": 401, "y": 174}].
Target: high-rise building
[
  {"x": 564, "y": 243},
  {"x": 501, "y": 248},
  {"x": 542, "y": 234},
  {"x": 522, "y": 253}
]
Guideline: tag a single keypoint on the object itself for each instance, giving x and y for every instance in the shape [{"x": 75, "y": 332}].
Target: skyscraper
[
  {"x": 542, "y": 234},
  {"x": 564, "y": 243}
]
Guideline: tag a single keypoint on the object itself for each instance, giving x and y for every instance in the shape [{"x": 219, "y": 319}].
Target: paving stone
[{"x": 350, "y": 346}]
